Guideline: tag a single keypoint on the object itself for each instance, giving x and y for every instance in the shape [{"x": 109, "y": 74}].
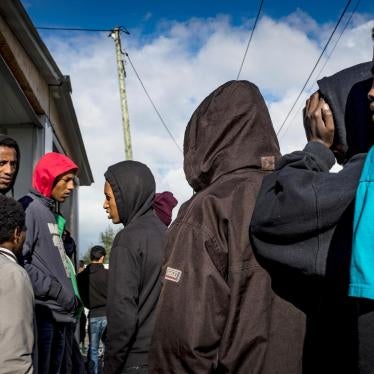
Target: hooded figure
[
  {"x": 163, "y": 204},
  {"x": 50, "y": 270},
  {"x": 346, "y": 93},
  {"x": 134, "y": 265},
  {"x": 217, "y": 311},
  {"x": 6, "y": 144},
  {"x": 302, "y": 228}
]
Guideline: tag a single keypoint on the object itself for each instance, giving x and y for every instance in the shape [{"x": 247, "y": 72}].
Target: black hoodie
[
  {"x": 346, "y": 92},
  {"x": 302, "y": 227},
  {"x": 5, "y": 140},
  {"x": 134, "y": 267}
]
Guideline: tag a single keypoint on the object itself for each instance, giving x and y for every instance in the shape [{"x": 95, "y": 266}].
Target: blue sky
[
  {"x": 183, "y": 50},
  {"x": 146, "y": 15}
]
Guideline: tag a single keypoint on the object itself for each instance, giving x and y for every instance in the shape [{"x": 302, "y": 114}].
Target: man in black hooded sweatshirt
[
  {"x": 134, "y": 266},
  {"x": 303, "y": 221},
  {"x": 9, "y": 163}
]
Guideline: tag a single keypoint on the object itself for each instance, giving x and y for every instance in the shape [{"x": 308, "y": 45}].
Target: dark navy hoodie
[{"x": 43, "y": 252}]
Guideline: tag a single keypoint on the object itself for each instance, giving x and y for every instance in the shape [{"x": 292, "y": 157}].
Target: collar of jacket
[
  {"x": 8, "y": 253},
  {"x": 46, "y": 201}
]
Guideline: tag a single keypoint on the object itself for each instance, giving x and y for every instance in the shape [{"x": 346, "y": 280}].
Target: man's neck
[{"x": 8, "y": 246}]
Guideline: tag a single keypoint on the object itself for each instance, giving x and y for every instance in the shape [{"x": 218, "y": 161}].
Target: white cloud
[{"x": 179, "y": 67}]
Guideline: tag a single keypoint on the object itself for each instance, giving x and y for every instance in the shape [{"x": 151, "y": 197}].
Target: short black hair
[
  {"x": 12, "y": 216},
  {"x": 9, "y": 142},
  {"x": 97, "y": 252}
]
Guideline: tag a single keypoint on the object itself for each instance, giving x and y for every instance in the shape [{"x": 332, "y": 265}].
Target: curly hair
[{"x": 11, "y": 217}]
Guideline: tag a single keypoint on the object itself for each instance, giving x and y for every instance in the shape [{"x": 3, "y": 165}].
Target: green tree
[
  {"x": 86, "y": 257},
  {"x": 106, "y": 239}
]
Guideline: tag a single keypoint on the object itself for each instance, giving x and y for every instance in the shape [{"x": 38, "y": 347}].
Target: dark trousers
[
  {"x": 51, "y": 337},
  {"x": 73, "y": 362}
]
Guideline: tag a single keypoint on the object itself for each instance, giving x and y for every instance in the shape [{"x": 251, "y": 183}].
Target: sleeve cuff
[{"x": 324, "y": 155}]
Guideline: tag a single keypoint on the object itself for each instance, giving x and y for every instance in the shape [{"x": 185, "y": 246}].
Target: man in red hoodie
[{"x": 50, "y": 270}]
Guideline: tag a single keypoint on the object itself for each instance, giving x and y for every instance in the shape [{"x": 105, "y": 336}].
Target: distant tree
[
  {"x": 106, "y": 239},
  {"x": 86, "y": 257}
]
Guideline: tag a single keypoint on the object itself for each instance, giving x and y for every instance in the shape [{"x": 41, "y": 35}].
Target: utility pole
[{"x": 116, "y": 36}]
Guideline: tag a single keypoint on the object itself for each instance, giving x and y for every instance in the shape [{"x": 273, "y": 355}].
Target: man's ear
[{"x": 16, "y": 235}]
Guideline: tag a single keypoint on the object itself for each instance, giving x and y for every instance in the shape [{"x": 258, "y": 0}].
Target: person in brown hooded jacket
[{"x": 217, "y": 311}]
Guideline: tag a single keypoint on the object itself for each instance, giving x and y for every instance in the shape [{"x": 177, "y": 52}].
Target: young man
[
  {"x": 16, "y": 294},
  {"x": 45, "y": 259},
  {"x": 9, "y": 163},
  {"x": 93, "y": 284},
  {"x": 134, "y": 267},
  {"x": 217, "y": 312},
  {"x": 302, "y": 225}
]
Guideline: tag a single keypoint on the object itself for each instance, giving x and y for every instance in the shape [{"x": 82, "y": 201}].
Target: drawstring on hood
[
  {"x": 230, "y": 130},
  {"x": 134, "y": 188},
  {"x": 6, "y": 141},
  {"x": 48, "y": 168}
]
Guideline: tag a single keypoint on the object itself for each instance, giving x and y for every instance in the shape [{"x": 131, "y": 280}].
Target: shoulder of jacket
[
  {"x": 25, "y": 201},
  {"x": 10, "y": 267}
]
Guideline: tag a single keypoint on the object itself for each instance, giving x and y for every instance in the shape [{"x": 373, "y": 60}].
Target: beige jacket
[{"x": 16, "y": 318}]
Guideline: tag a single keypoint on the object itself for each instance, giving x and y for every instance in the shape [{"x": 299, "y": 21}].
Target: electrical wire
[
  {"x": 250, "y": 38},
  {"x": 72, "y": 29},
  {"x": 315, "y": 65},
  {"x": 324, "y": 65},
  {"x": 122, "y": 29},
  {"x": 153, "y": 104}
]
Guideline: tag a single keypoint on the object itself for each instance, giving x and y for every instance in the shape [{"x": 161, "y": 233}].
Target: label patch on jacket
[
  {"x": 173, "y": 275},
  {"x": 268, "y": 163}
]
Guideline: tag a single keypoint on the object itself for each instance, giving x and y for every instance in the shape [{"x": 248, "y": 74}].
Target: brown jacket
[{"x": 217, "y": 312}]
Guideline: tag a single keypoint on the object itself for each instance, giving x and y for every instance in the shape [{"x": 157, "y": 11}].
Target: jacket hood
[
  {"x": 346, "y": 92},
  {"x": 48, "y": 168},
  {"x": 163, "y": 204},
  {"x": 230, "y": 130},
  {"x": 134, "y": 188},
  {"x": 5, "y": 140}
]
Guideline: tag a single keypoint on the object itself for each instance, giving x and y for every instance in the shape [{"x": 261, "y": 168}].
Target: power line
[
  {"x": 153, "y": 104},
  {"x": 71, "y": 29},
  {"x": 324, "y": 65},
  {"x": 250, "y": 38},
  {"x": 123, "y": 29},
  {"x": 315, "y": 65}
]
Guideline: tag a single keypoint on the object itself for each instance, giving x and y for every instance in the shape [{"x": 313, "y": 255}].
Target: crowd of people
[{"x": 267, "y": 269}]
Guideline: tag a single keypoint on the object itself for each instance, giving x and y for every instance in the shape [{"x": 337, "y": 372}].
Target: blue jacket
[{"x": 362, "y": 263}]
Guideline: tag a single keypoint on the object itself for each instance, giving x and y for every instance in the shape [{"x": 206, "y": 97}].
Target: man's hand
[{"x": 318, "y": 121}]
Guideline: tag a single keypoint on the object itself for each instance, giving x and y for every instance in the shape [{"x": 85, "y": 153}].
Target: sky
[{"x": 182, "y": 51}]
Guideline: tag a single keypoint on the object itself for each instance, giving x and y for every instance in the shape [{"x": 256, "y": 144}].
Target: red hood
[{"x": 50, "y": 166}]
